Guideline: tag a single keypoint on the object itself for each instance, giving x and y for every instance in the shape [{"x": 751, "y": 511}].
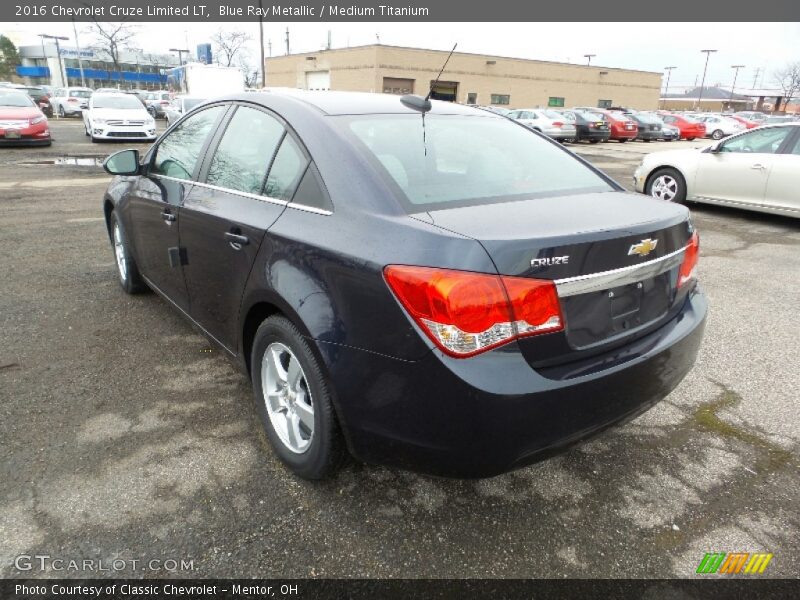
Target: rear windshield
[
  {"x": 15, "y": 99},
  {"x": 652, "y": 119},
  {"x": 80, "y": 93},
  {"x": 101, "y": 101},
  {"x": 590, "y": 116},
  {"x": 467, "y": 160}
]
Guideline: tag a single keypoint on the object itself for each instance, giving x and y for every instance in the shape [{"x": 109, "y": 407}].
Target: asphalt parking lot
[{"x": 125, "y": 436}]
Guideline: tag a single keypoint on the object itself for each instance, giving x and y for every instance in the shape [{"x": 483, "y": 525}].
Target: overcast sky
[{"x": 643, "y": 46}]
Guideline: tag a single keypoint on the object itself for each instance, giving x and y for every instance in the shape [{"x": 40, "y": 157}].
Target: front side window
[
  {"x": 178, "y": 153},
  {"x": 466, "y": 160},
  {"x": 761, "y": 141},
  {"x": 555, "y": 101},
  {"x": 242, "y": 158}
]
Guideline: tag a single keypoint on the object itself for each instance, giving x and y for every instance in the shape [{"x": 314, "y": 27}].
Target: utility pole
[
  {"x": 287, "y": 41},
  {"x": 666, "y": 91},
  {"x": 703, "y": 82},
  {"x": 589, "y": 58},
  {"x": 733, "y": 87},
  {"x": 261, "y": 43},
  {"x": 78, "y": 46},
  {"x": 755, "y": 79}
]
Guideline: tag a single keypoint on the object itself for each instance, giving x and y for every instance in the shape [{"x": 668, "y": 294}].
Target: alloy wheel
[
  {"x": 665, "y": 187},
  {"x": 119, "y": 252},
  {"x": 287, "y": 397}
]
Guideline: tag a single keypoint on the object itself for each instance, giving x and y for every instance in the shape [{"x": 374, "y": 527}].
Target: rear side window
[
  {"x": 287, "y": 169},
  {"x": 178, "y": 153},
  {"x": 467, "y": 160},
  {"x": 242, "y": 158},
  {"x": 311, "y": 191}
]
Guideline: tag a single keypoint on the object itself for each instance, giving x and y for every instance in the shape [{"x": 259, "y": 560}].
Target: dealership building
[
  {"x": 48, "y": 64},
  {"x": 468, "y": 78}
]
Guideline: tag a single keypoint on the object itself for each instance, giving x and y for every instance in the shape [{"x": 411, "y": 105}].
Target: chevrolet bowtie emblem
[{"x": 643, "y": 248}]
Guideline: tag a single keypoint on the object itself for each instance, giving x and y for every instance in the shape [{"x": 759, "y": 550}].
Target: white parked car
[
  {"x": 68, "y": 101},
  {"x": 179, "y": 106},
  {"x": 718, "y": 127},
  {"x": 548, "y": 122},
  {"x": 758, "y": 169},
  {"x": 118, "y": 117}
]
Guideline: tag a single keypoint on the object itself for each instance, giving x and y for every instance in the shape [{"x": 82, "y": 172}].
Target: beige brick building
[{"x": 468, "y": 78}]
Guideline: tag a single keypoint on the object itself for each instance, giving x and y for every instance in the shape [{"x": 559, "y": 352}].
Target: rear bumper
[
  {"x": 623, "y": 134},
  {"x": 592, "y": 134},
  {"x": 492, "y": 413},
  {"x": 648, "y": 135}
]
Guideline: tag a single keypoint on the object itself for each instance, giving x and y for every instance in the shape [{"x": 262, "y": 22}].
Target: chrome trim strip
[
  {"x": 311, "y": 209},
  {"x": 244, "y": 194},
  {"x": 596, "y": 282}
]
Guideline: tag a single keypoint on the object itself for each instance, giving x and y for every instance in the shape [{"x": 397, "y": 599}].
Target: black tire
[
  {"x": 691, "y": 139},
  {"x": 622, "y": 140},
  {"x": 594, "y": 141},
  {"x": 717, "y": 135},
  {"x": 680, "y": 193},
  {"x": 131, "y": 281},
  {"x": 323, "y": 457}
]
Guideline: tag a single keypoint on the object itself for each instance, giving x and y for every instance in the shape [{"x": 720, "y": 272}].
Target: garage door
[
  {"x": 318, "y": 80},
  {"x": 394, "y": 85}
]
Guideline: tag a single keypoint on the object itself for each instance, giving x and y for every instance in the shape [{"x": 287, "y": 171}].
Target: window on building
[
  {"x": 501, "y": 99},
  {"x": 555, "y": 101},
  {"x": 472, "y": 98},
  {"x": 605, "y": 103}
]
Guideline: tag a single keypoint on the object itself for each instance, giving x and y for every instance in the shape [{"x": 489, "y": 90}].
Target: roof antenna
[
  {"x": 424, "y": 104},
  {"x": 435, "y": 81}
]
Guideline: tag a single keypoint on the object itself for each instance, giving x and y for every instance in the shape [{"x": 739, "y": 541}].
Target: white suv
[{"x": 70, "y": 100}]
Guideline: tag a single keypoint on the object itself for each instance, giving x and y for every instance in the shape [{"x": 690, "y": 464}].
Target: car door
[
  {"x": 246, "y": 183},
  {"x": 155, "y": 200},
  {"x": 738, "y": 172},
  {"x": 784, "y": 179}
]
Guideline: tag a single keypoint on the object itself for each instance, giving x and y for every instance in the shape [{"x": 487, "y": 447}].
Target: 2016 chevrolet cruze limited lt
[{"x": 423, "y": 284}]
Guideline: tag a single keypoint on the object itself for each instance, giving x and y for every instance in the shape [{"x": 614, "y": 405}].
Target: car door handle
[
  {"x": 168, "y": 216},
  {"x": 236, "y": 240},
  {"x": 758, "y": 166}
]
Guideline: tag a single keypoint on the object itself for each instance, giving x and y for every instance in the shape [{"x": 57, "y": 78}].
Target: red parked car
[
  {"x": 21, "y": 121},
  {"x": 746, "y": 122},
  {"x": 690, "y": 129},
  {"x": 622, "y": 127}
]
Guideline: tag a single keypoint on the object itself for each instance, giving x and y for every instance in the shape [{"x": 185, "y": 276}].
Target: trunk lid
[{"x": 614, "y": 257}]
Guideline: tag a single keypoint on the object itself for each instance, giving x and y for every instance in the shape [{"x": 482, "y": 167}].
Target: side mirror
[{"x": 125, "y": 162}]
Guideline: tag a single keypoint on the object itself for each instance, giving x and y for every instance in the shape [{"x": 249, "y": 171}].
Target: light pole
[
  {"x": 589, "y": 58},
  {"x": 666, "y": 91},
  {"x": 180, "y": 52},
  {"x": 735, "y": 76},
  {"x": 62, "y": 74},
  {"x": 703, "y": 82}
]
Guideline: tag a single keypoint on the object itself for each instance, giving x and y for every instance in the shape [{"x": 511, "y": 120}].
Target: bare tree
[
  {"x": 251, "y": 75},
  {"x": 788, "y": 78},
  {"x": 110, "y": 38},
  {"x": 228, "y": 45}
]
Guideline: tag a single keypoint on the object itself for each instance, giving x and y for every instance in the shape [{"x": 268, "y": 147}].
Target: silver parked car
[
  {"x": 548, "y": 122},
  {"x": 757, "y": 169},
  {"x": 179, "y": 106}
]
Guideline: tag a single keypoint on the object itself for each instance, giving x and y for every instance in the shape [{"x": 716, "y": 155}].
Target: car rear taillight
[
  {"x": 164, "y": 102},
  {"x": 692, "y": 253},
  {"x": 72, "y": 100},
  {"x": 467, "y": 313},
  {"x": 557, "y": 124}
]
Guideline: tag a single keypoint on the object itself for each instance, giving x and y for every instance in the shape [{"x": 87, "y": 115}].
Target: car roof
[{"x": 352, "y": 103}]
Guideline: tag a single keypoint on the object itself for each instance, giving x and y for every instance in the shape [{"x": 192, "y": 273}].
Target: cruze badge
[
  {"x": 643, "y": 248},
  {"x": 549, "y": 262}
]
